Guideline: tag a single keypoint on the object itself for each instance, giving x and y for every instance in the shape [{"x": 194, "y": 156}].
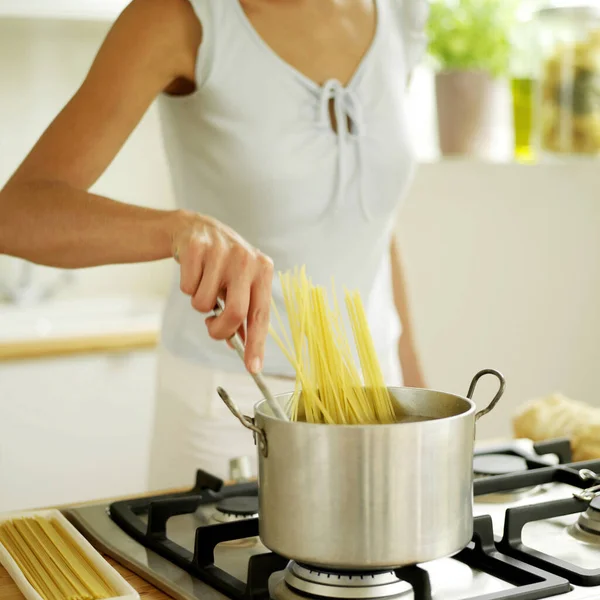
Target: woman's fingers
[
  {"x": 205, "y": 298},
  {"x": 215, "y": 260},
  {"x": 191, "y": 260},
  {"x": 258, "y": 316},
  {"x": 237, "y": 280}
]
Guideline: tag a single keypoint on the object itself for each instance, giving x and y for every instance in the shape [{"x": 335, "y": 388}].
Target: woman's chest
[
  {"x": 278, "y": 146},
  {"x": 269, "y": 142},
  {"x": 320, "y": 40}
]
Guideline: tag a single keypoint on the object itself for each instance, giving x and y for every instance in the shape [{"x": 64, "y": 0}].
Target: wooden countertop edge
[{"x": 113, "y": 342}]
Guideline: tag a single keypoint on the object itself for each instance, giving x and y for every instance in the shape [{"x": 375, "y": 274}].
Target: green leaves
[{"x": 471, "y": 34}]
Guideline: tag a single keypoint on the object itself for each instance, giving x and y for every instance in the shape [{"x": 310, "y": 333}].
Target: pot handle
[
  {"x": 247, "y": 422},
  {"x": 498, "y": 395}
]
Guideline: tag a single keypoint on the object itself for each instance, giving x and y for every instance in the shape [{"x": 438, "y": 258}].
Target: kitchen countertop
[
  {"x": 79, "y": 325},
  {"x": 119, "y": 342}
]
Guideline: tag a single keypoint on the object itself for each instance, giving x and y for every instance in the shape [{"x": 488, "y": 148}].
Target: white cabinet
[{"x": 74, "y": 428}]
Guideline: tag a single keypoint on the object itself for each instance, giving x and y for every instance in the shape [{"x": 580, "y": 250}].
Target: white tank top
[{"x": 253, "y": 147}]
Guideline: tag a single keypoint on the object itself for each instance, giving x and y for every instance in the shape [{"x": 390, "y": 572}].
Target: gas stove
[{"x": 536, "y": 535}]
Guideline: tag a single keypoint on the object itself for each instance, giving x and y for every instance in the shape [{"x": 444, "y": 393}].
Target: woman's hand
[{"x": 216, "y": 261}]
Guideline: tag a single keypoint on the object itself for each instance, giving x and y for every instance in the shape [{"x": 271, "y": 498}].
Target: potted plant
[{"x": 469, "y": 41}]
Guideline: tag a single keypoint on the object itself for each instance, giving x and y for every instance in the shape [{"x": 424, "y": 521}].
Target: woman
[{"x": 284, "y": 124}]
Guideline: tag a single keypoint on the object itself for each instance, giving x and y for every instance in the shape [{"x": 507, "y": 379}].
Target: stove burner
[
  {"x": 492, "y": 465},
  {"x": 589, "y": 520},
  {"x": 514, "y": 463},
  {"x": 498, "y": 464},
  {"x": 239, "y": 506},
  {"x": 351, "y": 585},
  {"x": 302, "y": 582}
]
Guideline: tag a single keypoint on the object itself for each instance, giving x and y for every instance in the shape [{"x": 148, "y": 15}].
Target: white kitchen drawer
[{"x": 74, "y": 428}]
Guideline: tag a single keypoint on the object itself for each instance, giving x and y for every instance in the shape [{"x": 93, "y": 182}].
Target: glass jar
[
  {"x": 569, "y": 78},
  {"x": 524, "y": 65}
]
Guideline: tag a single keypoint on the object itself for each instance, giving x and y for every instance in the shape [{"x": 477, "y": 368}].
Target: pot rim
[{"x": 471, "y": 411}]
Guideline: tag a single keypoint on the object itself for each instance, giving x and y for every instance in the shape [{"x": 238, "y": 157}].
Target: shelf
[
  {"x": 544, "y": 162},
  {"x": 70, "y": 10}
]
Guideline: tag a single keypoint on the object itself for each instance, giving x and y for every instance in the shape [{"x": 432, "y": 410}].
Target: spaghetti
[
  {"x": 51, "y": 561},
  {"x": 330, "y": 387}
]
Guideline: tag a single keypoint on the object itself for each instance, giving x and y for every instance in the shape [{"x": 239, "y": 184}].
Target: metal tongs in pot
[{"x": 238, "y": 345}]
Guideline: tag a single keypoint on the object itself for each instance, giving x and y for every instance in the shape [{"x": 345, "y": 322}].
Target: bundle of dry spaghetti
[
  {"x": 330, "y": 387},
  {"x": 51, "y": 561}
]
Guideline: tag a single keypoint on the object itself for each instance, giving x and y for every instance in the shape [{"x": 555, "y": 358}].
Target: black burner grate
[
  {"x": 568, "y": 474},
  {"x": 207, "y": 490},
  {"x": 517, "y": 517},
  {"x": 481, "y": 554}
]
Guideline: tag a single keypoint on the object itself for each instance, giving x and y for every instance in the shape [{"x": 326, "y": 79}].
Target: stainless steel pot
[{"x": 369, "y": 496}]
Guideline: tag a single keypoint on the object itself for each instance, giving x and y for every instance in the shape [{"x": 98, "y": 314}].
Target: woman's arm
[
  {"x": 47, "y": 215},
  {"x": 411, "y": 367}
]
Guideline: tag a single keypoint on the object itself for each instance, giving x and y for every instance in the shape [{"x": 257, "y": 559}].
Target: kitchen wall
[
  {"x": 503, "y": 260},
  {"x": 504, "y": 267},
  {"x": 42, "y": 62}
]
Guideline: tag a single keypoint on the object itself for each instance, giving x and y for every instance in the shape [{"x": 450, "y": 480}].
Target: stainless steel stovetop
[{"x": 450, "y": 579}]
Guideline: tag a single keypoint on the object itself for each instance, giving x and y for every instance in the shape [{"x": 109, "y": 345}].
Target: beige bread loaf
[
  {"x": 558, "y": 416},
  {"x": 586, "y": 441}
]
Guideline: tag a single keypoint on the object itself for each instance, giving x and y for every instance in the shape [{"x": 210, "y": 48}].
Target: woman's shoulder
[{"x": 166, "y": 31}]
